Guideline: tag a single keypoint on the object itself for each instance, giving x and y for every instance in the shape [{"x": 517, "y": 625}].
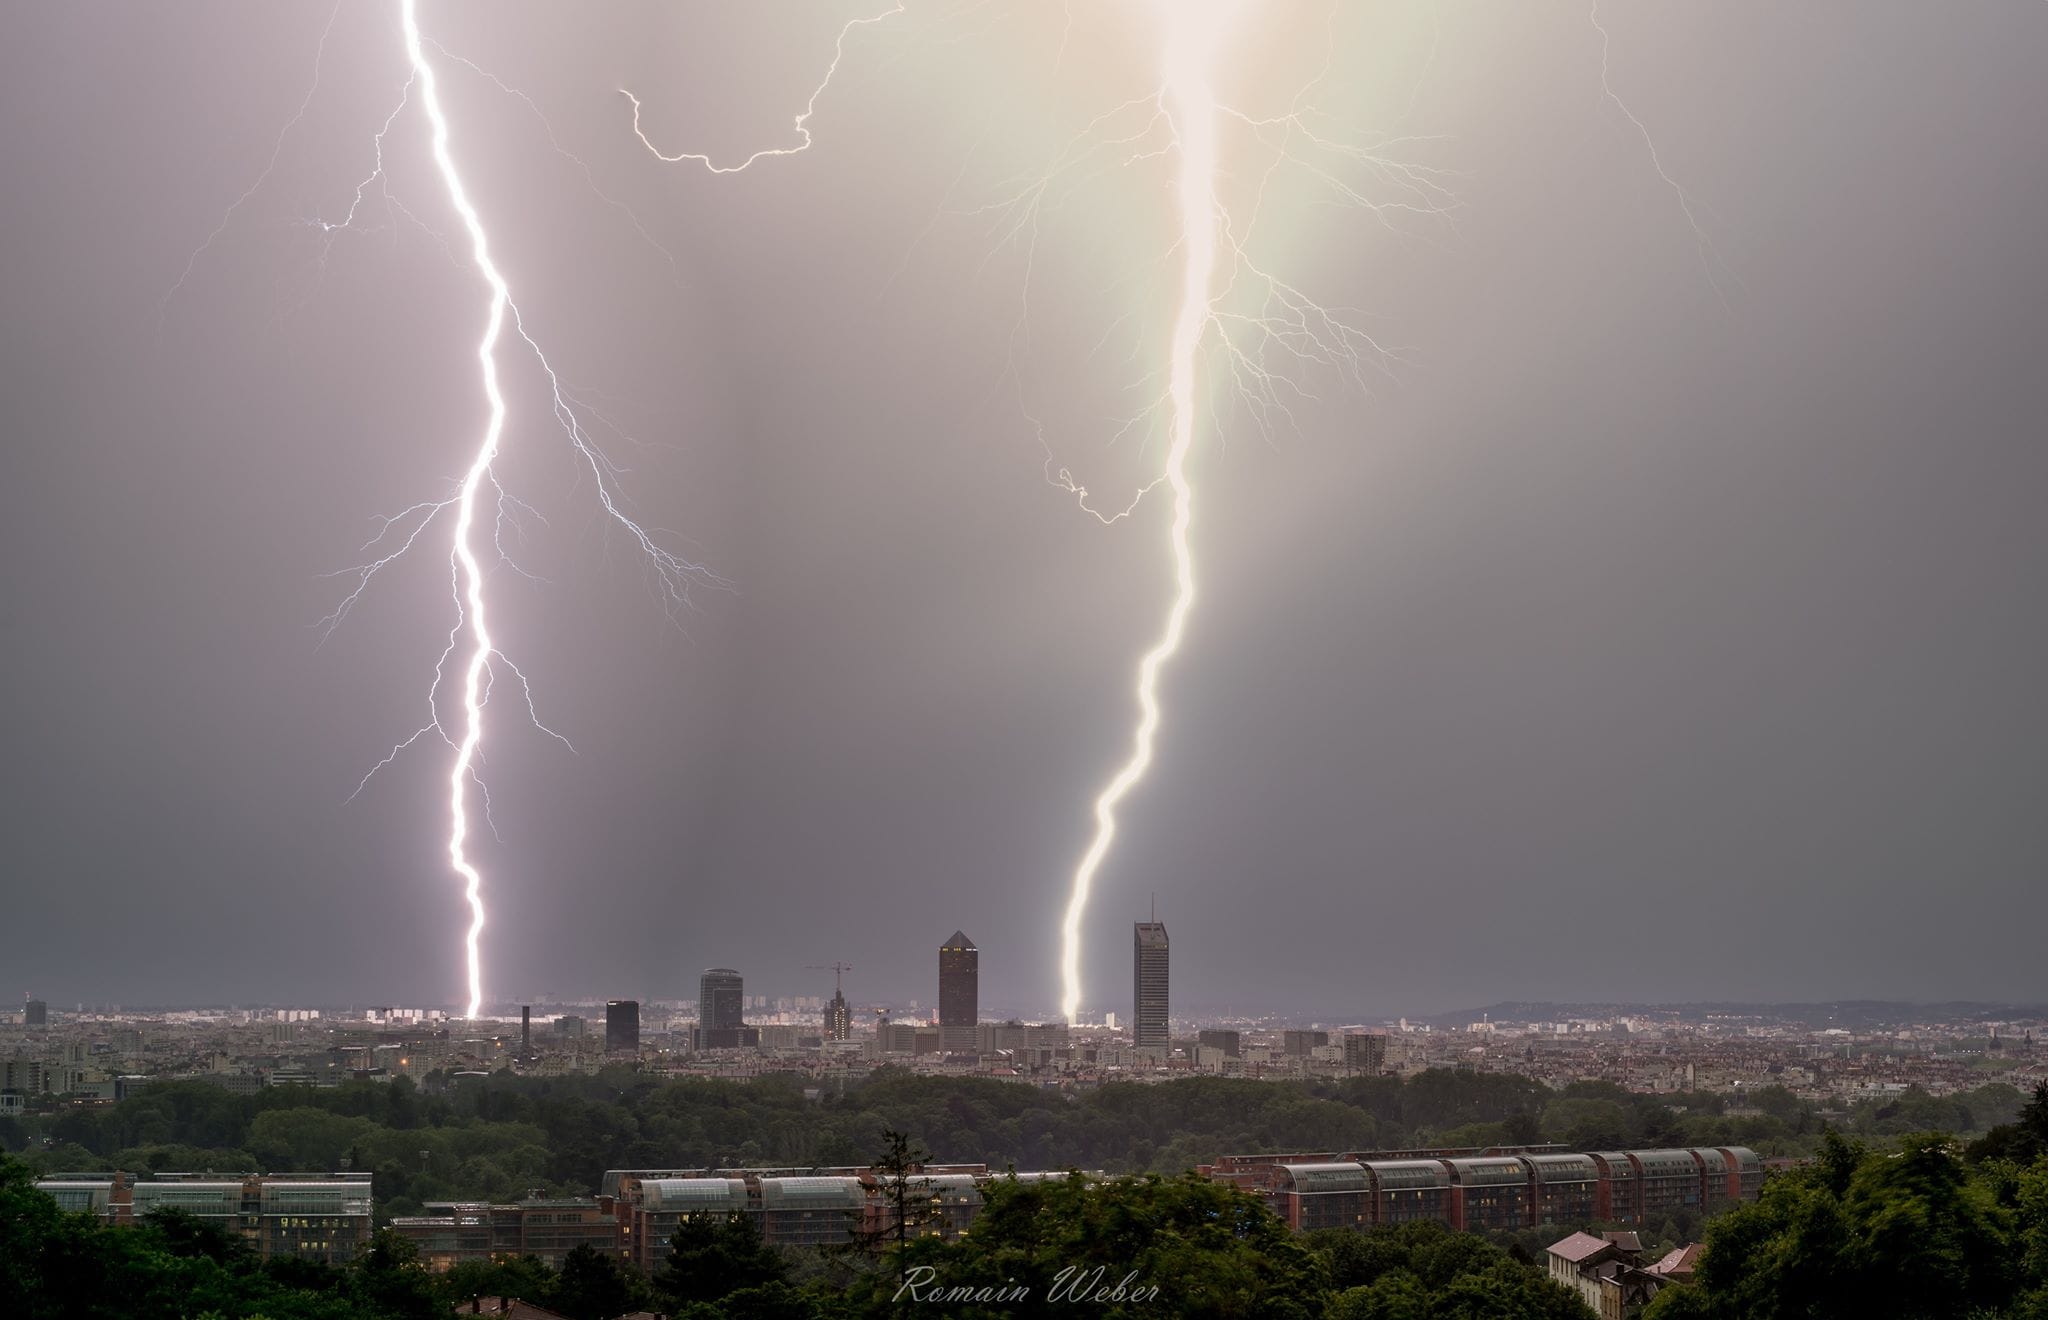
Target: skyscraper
[
  {"x": 838, "y": 1018},
  {"x": 622, "y": 1026},
  {"x": 35, "y": 1013},
  {"x": 1148, "y": 986},
  {"x": 721, "y": 1010},
  {"x": 959, "y": 994}
]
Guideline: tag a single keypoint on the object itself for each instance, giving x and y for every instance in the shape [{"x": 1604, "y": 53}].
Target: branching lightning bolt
[
  {"x": 1709, "y": 258},
  {"x": 1188, "y": 100},
  {"x": 472, "y": 654},
  {"x": 1263, "y": 329},
  {"x": 801, "y": 124}
]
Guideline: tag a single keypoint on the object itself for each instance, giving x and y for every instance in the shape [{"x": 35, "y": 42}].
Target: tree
[
  {"x": 1906, "y": 1232},
  {"x": 712, "y": 1255},
  {"x": 2022, "y": 1141},
  {"x": 391, "y": 1282},
  {"x": 591, "y": 1286},
  {"x": 912, "y": 1204},
  {"x": 1209, "y": 1249}
]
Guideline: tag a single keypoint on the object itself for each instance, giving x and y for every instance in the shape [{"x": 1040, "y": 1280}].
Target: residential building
[{"x": 1365, "y": 1053}]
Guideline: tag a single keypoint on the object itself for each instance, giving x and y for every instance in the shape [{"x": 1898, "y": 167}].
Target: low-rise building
[{"x": 323, "y": 1217}]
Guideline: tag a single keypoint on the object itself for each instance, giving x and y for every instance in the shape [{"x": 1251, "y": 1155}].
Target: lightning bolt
[
  {"x": 1260, "y": 330},
  {"x": 1188, "y": 100},
  {"x": 481, "y": 507},
  {"x": 472, "y": 634},
  {"x": 1710, "y": 260},
  {"x": 469, "y": 573},
  {"x": 801, "y": 123}
]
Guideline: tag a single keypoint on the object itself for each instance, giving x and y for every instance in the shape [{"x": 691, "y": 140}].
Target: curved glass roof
[
  {"x": 1487, "y": 1172},
  {"x": 1347, "y": 1176},
  {"x": 1666, "y": 1163},
  {"x": 1391, "y": 1175},
  {"x": 1563, "y": 1168},
  {"x": 693, "y": 1193},
  {"x": 1614, "y": 1162},
  {"x": 806, "y": 1193}
]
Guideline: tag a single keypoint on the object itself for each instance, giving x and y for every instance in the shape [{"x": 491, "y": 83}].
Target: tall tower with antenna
[{"x": 1149, "y": 1030}]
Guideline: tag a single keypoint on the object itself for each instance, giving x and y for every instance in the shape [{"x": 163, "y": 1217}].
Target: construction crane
[{"x": 837, "y": 969}]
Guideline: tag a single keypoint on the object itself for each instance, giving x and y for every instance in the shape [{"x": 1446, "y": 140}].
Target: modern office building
[
  {"x": 959, "y": 993},
  {"x": 1148, "y": 986},
  {"x": 323, "y": 1217},
  {"x": 1230, "y": 1042},
  {"x": 458, "y": 1232},
  {"x": 721, "y": 1011},
  {"x": 35, "y": 1013},
  {"x": 622, "y": 1026},
  {"x": 838, "y": 1018},
  {"x": 571, "y": 1027}
]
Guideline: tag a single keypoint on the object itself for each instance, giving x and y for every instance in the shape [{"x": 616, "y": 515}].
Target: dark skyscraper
[
  {"x": 838, "y": 1018},
  {"x": 1148, "y": 986},
  {"x": 622, "y": 1026},
  {"x": 526, "y": 1031},
  {"x": 721, "y": 1009},
  {"x": 35, "y": 1013},
  {"x": 959, "y": 994}
]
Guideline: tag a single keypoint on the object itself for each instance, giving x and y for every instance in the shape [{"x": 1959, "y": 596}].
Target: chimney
[{"x": 526, "y": 1028}]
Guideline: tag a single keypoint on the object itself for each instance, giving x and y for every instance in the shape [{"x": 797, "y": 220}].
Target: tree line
[
  {"x": 1135, "y": 1246},
  {"x": 500, "y": 1136}
]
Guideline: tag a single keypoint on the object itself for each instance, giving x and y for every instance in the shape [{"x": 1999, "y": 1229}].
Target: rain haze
[{"x": 1660, "y": 619}]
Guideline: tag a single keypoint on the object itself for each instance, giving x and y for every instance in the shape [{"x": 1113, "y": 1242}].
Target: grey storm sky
[{"x": 1622, "y": 643}]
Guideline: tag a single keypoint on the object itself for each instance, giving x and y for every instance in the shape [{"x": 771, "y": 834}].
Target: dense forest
[{"x": 501, "y": 1136}]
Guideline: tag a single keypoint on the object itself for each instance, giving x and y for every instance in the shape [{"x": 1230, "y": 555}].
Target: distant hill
[{"x": 1848, "y": 1014}]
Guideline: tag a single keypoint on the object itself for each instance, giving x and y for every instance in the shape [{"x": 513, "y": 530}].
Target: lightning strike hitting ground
[
  {"x": 467, "y": 569},
  {"x": 1263, "y": 330},
  {"x": 472, "y": 653},
  {"x": 1188, "y": 100},
  {"x": 469, "y": 572}
]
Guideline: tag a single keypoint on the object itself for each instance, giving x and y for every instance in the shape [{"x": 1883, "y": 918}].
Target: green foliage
[
  {"x": 55, "y": 1266},
  {"x": 712, "y": 1255},
  {"x": 2022, "y": 1141},
  {"x": 1426, "y": 1272},
  {"x": 592, "y": 1286},
  {"x": 1209, "y": 1248},
  {"x": 1910, "y": 1230}
]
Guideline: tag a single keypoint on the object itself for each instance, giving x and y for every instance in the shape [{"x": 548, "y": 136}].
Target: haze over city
[{"x": 1661, "y": 623}]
